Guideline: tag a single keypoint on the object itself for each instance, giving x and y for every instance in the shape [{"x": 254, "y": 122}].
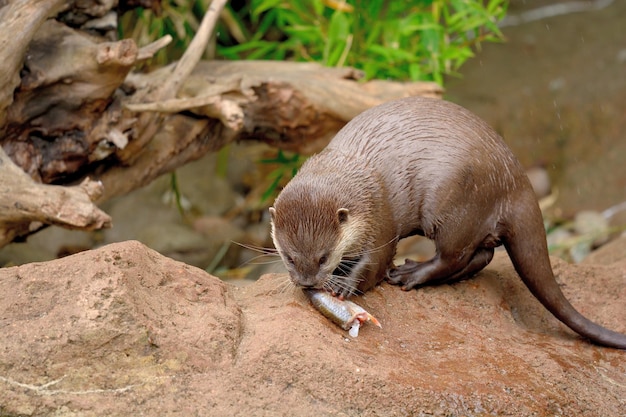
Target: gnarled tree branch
[
  {"x": 26, "y": 205},
  {"x": 19, "y": 21}
]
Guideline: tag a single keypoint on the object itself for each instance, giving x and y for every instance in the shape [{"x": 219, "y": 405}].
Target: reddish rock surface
[{"x": 124, "y": 331}]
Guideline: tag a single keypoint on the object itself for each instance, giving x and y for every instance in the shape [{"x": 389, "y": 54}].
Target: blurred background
[{"x": 547, "y": 75}]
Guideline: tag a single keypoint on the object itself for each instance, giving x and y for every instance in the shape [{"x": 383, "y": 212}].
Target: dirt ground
[{"x": 123, "y": 331}]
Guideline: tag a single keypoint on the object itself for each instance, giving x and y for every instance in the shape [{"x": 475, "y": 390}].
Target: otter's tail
[{"x": 528, "y": 250}]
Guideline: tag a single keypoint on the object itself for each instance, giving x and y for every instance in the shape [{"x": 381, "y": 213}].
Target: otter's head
[{"x": 318, "y": 241}]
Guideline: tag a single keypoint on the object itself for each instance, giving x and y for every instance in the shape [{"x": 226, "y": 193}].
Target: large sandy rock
[{"x": 124, "y": 331}]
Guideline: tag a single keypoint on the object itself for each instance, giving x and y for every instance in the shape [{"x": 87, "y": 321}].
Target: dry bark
[
  {"x": 26, "y": 205},
  {"x": 71, "y": 108}
]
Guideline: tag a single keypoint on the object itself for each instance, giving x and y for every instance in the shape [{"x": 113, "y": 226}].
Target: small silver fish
[{"x": 346, "y": 314}]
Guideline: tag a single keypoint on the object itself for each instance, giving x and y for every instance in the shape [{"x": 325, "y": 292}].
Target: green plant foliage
[
  {"x": 178, "y": 18},
  {"x": 287, "y": 166},
  {"x": 177, "y": 195},
  {"x": 402, "y": 40}
]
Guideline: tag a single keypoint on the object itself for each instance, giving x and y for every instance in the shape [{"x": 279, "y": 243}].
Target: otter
[{"x": 416, "y": 166}]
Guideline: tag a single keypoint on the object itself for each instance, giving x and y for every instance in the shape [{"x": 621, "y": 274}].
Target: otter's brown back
[{"x": 428, "y": 146}]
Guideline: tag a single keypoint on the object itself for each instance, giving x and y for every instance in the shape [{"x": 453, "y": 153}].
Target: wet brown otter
[{"x": 416, "y": 166}]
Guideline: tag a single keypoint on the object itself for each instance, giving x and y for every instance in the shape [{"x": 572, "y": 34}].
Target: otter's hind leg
[
  {"x": 440, "y": 269},
  {"x": 479, "y": 261}
]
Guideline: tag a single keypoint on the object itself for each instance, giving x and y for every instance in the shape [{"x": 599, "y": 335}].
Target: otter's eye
[
  {"x": 290, "y": 260},
  {"x": 323, "y": 259}
]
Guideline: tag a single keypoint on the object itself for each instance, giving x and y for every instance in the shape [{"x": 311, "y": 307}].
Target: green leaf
[
  {"x": 338, "y": 32},
  {"x": 411, "y": 40},
  {"x": 261, "y": 6}
]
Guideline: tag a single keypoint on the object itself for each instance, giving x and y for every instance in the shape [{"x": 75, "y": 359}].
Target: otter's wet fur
[{"x": 416, "y": 166}]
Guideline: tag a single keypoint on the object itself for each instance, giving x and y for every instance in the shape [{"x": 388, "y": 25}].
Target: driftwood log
[{"x": 83, "y": 127}]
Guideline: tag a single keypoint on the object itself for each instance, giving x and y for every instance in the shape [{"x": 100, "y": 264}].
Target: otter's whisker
[
  {"x": 334, "y": 283},
  {"x": 255, "y": 261},
  {"x": 369, "y": 251},
  {"x": 283, "y": 286},
  {"x": 255, "y": 248}
]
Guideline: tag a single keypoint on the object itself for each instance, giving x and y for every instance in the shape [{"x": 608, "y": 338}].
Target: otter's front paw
[{"x": 341, "y": 292}]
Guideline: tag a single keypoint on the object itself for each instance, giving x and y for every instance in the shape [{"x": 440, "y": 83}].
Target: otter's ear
[
  {"x": 272, "y": 212},
  {"x": 342, "y": 215}
]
